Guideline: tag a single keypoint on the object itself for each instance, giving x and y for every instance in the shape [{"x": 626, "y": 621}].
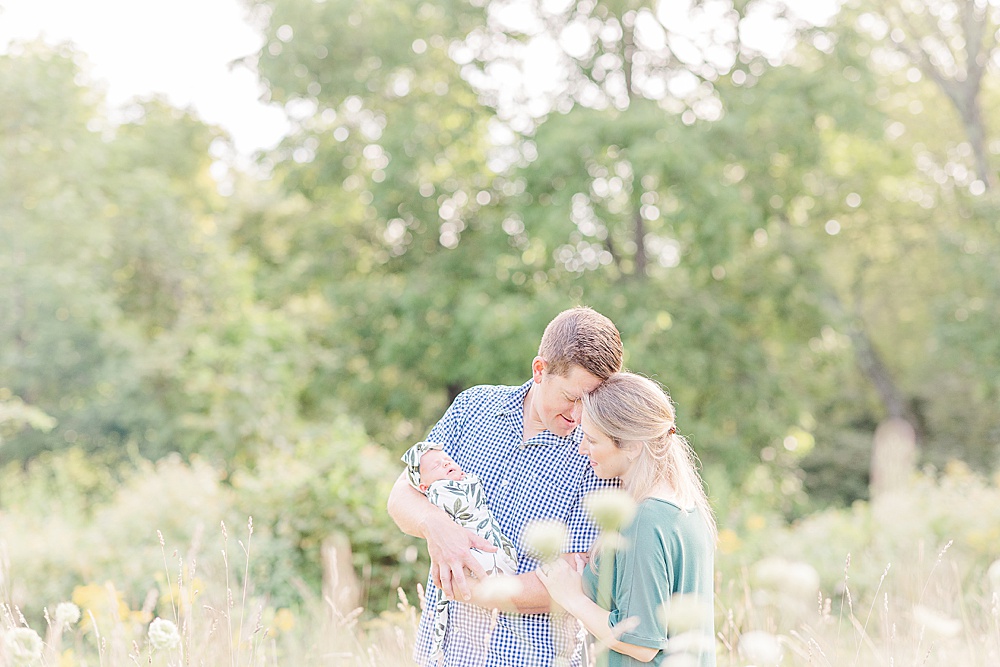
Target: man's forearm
[
  {"x": 532, "y": 598},
  {"x": 409, "y": 508}
]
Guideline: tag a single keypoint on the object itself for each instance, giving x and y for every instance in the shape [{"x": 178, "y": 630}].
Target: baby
[{"x": 432, "y": 472}]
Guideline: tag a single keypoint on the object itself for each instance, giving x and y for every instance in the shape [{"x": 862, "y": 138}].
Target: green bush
[{"x": 333, "y": 484}]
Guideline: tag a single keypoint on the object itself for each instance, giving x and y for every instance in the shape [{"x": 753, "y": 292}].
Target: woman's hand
[{"x": 562, "y": 581}]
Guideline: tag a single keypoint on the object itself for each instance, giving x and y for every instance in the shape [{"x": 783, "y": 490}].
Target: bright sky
[{"x": 179, "y": 48}]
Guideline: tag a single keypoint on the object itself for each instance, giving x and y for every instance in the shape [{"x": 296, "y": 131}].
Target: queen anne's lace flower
[
  {"x": 499, "y": 589},
  {"x": 67, "y": 614},
  {"x": 760, "y": 648},
  {"x": 24, "y": 646},
  {"x": 545, "y": 539},
  {"x": 797, "y": 579},
  {"x": 163, "y": 635},
  {"x": 685, "y": 612},
  {"x": 936, "y": 622},
  {"x": 611, "y": 509},
  {"x": 994, "y": 575}
]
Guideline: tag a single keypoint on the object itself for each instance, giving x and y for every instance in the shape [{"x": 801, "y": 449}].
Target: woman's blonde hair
[{"x": 634, "y": 410}]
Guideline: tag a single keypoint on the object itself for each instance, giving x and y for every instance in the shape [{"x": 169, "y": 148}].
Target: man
[{"x": 522, "y": 443}]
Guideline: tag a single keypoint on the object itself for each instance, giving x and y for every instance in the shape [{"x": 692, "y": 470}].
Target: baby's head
[
  {"x": 435, "y": 465},
  {"x": 426, "y": 463}
]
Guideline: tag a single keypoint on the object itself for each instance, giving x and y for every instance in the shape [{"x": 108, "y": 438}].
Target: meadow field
[{"x": 166, "y": 571}]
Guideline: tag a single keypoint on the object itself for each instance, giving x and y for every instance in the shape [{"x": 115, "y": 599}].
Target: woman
[{"x": 661, "y": 600}]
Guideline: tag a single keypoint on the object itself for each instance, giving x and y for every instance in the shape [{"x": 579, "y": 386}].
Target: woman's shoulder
[{"x": 661, "y": 516}]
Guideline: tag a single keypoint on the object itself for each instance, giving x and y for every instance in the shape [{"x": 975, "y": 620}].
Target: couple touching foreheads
[{"x": 503, "y": 457}]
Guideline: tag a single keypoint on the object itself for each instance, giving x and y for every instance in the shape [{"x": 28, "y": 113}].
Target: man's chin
[{"x": 563, "y": 430}]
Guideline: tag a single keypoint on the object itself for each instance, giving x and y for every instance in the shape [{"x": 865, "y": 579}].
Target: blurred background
[{"x": 790, "y": 210}]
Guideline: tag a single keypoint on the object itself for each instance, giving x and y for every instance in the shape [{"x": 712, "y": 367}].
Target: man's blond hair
[{"x": 582, "y": 337}]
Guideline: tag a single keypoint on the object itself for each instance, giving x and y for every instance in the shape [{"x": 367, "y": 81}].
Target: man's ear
[{"x": 538, "y": 365}]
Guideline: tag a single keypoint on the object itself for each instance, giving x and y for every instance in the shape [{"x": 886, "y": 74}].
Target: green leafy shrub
[{"x": 333, "y": 484}]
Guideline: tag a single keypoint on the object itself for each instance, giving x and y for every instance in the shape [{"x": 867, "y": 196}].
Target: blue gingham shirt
[{"x": 543, "y": 478}]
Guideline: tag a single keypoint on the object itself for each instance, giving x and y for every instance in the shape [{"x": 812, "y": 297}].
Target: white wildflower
[
  {"x": 611, "y": 509},
  {"x": 544, "y": 539},
  {"x": 24, "y": 646},
  {"x": 163, "y": 634},
  {"x": 760, "y": 648},
  {"x": 610, "y": 541},
  {"x": 791, "y": 577},
  {"x": 680, "y": 660},
  {"x": 936, "y": 622},
  {"x": 994, "y": 575},
  {"x": 499, "y": 589},
  {"x": 684, "y": 612},
  {"x": 67, "y": 614},
  {"x": 769, "y": 572},
  {"x": 694, "y": 642}
]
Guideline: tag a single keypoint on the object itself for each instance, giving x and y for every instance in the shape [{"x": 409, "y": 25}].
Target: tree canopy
[{"x": 798, "y": 244}]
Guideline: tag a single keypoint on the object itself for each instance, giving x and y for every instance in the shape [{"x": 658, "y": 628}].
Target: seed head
[
  {"x": 24, "y": 646},
  {"x": 611, "y": 509},
  {"x": 163, "y": 635},
  {"x": 544, "y": 539}
]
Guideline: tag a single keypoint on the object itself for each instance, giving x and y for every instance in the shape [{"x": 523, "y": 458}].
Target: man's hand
[{"x": 448, "y": 545}]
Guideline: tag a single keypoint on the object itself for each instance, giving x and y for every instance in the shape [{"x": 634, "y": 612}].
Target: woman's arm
[{"x": 565, "y": 586}]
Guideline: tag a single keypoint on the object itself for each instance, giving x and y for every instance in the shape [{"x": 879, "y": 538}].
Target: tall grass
[
  {"x": 920, "y": 611},
  {"x": 206, "y": 622},
  {"x": 913, "y": 579}
]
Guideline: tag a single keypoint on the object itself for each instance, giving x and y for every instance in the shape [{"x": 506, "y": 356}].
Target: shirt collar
[{"x": 515, "y": 401}]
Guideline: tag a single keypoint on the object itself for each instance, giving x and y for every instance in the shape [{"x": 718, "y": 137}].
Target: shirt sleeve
[
  {"x": 644, "y": 581},
  {"x": 448, "y": 430}
]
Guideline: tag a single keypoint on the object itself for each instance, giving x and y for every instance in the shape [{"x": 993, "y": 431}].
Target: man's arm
[
  {"x": 531, "y": 598},
  {"x": 448, "y": 543}
]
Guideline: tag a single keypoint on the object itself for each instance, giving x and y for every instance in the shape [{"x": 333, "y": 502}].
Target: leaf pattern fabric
[{"x": 465, "y": 501}]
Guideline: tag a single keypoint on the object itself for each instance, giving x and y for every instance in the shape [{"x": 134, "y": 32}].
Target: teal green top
[{"x": 664, "y": 580}]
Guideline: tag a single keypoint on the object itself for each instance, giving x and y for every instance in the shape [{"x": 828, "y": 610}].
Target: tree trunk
[
  {"x": 341, "y": 589},
  {"x": 962, "y": 88},
  {"x": 975, "y": 131},
  {"x": 639, "y": 225}
]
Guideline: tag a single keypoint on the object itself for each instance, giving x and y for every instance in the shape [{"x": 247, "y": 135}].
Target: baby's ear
[{"x": 423, "y": 488}]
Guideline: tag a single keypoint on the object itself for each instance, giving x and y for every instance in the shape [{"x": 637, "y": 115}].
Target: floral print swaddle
[{"x": 465, "y": 502}]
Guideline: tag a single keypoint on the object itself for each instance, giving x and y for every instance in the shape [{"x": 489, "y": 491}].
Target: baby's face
[{"x": 435, "y": 465}]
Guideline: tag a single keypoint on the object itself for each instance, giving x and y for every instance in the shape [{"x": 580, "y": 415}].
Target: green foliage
[
  {"x": 68, "y": 520},
  {"x": 15, "y": 415},
  {"x": 954, "y": 512},
  {"x": 413, "y": 239},
  {"x": 332, "y": 482}
]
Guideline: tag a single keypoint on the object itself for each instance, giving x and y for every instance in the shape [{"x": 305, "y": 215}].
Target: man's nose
[{"x": 577, "y": 411}]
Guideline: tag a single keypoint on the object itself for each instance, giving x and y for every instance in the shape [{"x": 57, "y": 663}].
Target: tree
[
  {"x": 131, "y": 324},
  {"x": 954, "y": 43}
]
